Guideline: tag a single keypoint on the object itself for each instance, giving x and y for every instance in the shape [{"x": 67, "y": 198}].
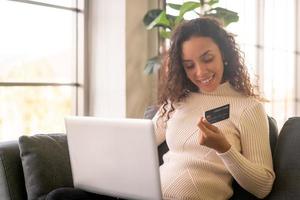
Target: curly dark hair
[{"x": 176, "y": 85}]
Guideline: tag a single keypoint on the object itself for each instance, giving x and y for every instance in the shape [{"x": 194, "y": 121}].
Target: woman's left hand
[{"x": 212, "y": 137}]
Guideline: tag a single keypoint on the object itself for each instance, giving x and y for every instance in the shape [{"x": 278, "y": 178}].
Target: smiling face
[{"x": 203, "y": 63}]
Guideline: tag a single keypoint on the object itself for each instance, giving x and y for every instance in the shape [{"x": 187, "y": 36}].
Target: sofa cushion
[
  {"x": 12, "y": 186},
  {"x": 46, "y": 164}
]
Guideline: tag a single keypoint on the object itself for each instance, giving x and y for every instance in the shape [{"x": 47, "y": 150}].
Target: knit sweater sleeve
[
  {"x": 159, "y": 127},
  {"x": 253, "y": 167}
]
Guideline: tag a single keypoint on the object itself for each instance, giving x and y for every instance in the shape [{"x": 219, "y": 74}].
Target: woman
[{"x": 205, "y": 71}]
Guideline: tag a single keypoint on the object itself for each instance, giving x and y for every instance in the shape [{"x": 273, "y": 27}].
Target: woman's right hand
[{"x": 210, "y": 136}]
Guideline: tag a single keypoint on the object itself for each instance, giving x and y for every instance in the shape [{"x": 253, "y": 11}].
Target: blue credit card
[{"x": 217, "y": 114}]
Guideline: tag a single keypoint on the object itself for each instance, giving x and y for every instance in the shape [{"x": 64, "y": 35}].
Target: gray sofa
[{"x": 12, "y": 171}]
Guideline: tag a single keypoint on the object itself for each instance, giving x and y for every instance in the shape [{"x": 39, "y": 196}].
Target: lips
[{"x": 206, "y": 80}]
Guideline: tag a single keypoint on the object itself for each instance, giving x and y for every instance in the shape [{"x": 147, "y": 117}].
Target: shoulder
[
  {"x": 245, "y": 103},
  {"x": 243, "y": 109},
  {"x": 252, "y": 105},
  {"x": 253, "y": 113}
]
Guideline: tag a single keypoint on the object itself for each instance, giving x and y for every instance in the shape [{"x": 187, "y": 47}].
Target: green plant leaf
[
  {"x": 171, "y": 19},
  {"x": 152, "y": 65},
  {"x": 227, "y": 16},
  {"x": 151, "y": 15},
  {"x": 212, "y": 2},
  {"x": 161, "y": 21},
  {"x": 186, "y": 7},
  {"x": 165, "y": 33},
  {"x": 174, "y": 6},
  {"x": 178, "y": 20}
]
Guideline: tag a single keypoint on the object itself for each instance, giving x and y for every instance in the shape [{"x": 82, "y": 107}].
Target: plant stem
[
  {"x": 202, "y": 3},
  {"x": 202, "y": 11}
]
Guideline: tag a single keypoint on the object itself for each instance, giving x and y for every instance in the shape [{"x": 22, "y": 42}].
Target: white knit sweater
[{"x": 193, "y": 171}]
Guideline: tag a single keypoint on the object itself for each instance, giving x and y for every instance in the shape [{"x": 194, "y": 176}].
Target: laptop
[{"x": 114, "y": 157}]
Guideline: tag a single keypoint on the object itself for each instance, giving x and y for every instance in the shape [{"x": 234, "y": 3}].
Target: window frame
[{"x": 81, "y": 72}]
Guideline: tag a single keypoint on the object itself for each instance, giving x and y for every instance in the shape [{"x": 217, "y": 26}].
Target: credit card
[{"x": 217, "y": 114}]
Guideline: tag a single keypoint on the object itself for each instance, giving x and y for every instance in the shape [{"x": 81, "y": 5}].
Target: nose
[{"x": 200, "y": 69}]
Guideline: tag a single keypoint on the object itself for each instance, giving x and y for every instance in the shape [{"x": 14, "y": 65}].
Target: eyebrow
[{"x": 206, "y": 52}]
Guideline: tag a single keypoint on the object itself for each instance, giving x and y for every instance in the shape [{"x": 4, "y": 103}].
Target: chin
[{"x": 209, "y": 88}]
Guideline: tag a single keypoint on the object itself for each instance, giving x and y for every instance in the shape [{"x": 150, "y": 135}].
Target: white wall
[{"x": 106, "y": 58}]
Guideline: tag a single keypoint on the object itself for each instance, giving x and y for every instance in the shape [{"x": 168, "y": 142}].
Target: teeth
[{"x": 207, "y": 80}]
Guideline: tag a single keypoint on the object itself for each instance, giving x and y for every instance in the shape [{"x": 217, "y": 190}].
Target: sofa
[{"x": 42, "y": 160}]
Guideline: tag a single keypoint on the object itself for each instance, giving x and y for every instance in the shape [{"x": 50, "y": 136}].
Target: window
[
  {"x": 41, "y": 65},
  {"x": 268, "y": 40}
]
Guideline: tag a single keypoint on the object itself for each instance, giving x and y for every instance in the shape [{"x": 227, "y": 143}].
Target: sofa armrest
[
  {"x": 287, "y": 162},
  {"x": 12, "y": 185}
]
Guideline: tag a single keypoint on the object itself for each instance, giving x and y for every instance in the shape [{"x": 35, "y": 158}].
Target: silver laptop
[{"x": 114, "y": 157}]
